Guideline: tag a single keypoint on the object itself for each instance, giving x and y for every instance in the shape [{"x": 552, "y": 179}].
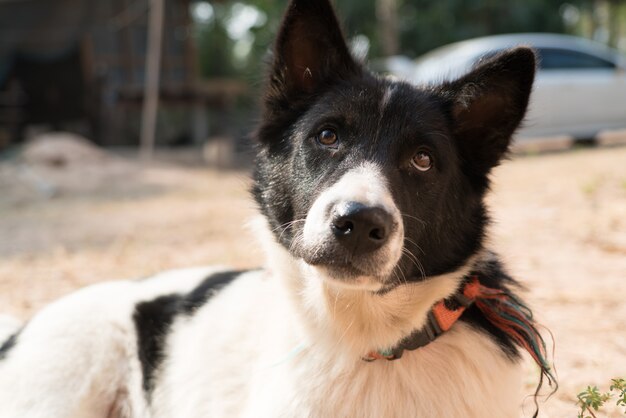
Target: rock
[{"x": 61, "y": 149}]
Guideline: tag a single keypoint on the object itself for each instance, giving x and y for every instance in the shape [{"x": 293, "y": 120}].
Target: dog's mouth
[
  {"x": 341, "y": 262},
  {"x": 340, "y": 270},
  {"x": 346, "y": 271},
  {"x": 347, "y": 275}
]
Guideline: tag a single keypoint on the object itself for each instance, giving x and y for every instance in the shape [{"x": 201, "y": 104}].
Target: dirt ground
[{"x": 560, "y": 225}]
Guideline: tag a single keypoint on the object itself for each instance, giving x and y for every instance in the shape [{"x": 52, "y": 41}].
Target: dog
[{"x": 380, "y": 296}]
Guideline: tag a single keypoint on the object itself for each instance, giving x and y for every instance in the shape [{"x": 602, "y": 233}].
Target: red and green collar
[
  {"x": 439, "y": 320},
  {"x": 500, "y": 307}
]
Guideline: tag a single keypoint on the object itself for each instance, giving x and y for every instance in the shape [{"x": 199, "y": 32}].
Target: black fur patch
[
  {"x": 154, "y": 318},
  {"x": 6, "y": 347},
  {"x": 444, "y": 215}
]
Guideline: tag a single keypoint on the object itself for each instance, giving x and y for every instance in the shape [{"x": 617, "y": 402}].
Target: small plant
[
  {"x": 591, "y": 399},
  {"x": 591, "y": 187}
]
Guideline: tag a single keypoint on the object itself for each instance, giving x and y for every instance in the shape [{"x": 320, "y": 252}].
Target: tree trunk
[
  {"x": 387, "y": 14},
  {"x": 614, "y": 22},
  {"x": 152, "y": 72}
]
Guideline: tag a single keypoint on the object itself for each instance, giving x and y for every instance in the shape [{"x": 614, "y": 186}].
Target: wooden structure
[{"x": 81, "y": 64}]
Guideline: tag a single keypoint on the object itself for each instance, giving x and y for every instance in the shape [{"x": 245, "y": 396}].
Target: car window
[{"x": 565, "y": 59}]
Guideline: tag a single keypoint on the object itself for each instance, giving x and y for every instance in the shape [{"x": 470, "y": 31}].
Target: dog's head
[{"x": 372, "y": 181}]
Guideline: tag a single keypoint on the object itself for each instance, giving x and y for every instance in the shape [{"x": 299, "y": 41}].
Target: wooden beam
[{"x": 152, "y": 73}]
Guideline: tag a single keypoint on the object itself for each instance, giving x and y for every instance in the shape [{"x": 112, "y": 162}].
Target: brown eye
[
  {"x": 327, "y": 137},
  {"x": 422, "y": 161}
]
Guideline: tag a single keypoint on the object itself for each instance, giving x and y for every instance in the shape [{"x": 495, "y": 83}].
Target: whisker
[
  {"x": 285, "y": 226},
  {"x": 345, "y": 332},
  {"x": 410, "y": 241},
  {"x": 439, "y": 134},
  {"x": 415, "y": 261},
  {"x": 403, "y": 280},
  {"x": 423, "y": 222},
  {"x": 295, "y": 242}
]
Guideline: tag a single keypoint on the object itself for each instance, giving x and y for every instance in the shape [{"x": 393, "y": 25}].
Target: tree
[
  {"x": 387, "y": 14},
  {"x": 409, "y": 27},
  {"x": 426, "y": 24}
]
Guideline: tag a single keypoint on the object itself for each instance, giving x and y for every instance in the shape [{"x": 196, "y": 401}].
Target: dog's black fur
[
  {"x": 7, "y": 345},
  {"x": 153, "y": 319},
  {"x": 466, "y": 126}
]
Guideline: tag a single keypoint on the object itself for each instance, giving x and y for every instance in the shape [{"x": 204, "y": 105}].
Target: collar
[
  {"x": 440, "y": 319},
  {"x": 500, "y": 307}
]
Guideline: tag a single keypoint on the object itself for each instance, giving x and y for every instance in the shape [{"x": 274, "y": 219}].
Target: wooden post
[
  {"x": 152, "y": 72},
  {"x": 387, "y": 14}
]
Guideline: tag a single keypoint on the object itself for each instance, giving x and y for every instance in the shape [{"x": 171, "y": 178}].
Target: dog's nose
[{"x": 361, "y": 228}]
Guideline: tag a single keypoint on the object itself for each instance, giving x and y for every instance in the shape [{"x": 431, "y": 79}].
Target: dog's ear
[
  {"x": 310, "y": 50},
  {"x": 488, "y": 104}
]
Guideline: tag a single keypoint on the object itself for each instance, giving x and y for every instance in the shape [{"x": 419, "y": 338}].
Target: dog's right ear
[{"x": 310, "y": 51}]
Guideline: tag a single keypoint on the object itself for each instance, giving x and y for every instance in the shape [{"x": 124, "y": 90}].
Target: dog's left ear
[
  {"x": 488, "y": 105},
  {"x": 310, "y": 50}
]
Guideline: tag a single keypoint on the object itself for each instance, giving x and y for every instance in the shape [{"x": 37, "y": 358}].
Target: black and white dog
[{"x": 371, "y": 193}]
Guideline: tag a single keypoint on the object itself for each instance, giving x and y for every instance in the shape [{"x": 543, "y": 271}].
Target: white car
[{"x": 579, "y": 91}]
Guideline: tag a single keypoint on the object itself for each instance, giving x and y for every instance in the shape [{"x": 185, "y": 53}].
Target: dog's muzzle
[{"x": 354, "y": 229}]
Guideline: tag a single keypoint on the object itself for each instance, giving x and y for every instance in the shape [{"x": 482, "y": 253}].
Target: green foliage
[
  {"x": 426, "y": 24},
  {"x": 592, "y": 400},
  {"x": 422, "y": 26},
  {"x": 619, "y": 385},
  {"x": 217, "y": 48},
  {"x": 214, "y": 46},
  {"x": 359, "y": 17},
  {"x": 591, "y": 187}
]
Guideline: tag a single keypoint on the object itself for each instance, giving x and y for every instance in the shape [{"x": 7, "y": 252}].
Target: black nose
[{"x": 361, "y": 228}]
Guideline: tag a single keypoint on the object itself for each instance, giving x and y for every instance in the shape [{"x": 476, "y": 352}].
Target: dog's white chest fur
[{"x": 282, "y": 372}]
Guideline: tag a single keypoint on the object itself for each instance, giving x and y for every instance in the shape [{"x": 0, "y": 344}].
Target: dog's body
[
  {"x": 244, "y": 354},
  {"x": 371, "y": 192}
]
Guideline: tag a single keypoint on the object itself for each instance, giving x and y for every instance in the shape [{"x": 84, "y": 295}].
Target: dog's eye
[
  {"x": 327, "y": 138},
  {"x": 422, "y": 161}
]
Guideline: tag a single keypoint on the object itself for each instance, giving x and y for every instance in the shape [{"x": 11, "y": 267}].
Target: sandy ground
[{"x": 560, "y": 225}]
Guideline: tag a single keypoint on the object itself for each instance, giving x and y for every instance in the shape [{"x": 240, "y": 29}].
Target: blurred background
[
  {"x": 80, "y": 66},
  {"x": 124, "y": 147}
]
